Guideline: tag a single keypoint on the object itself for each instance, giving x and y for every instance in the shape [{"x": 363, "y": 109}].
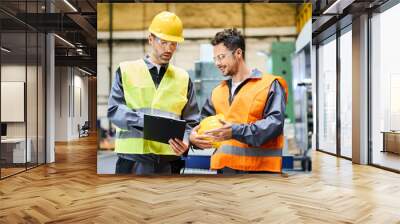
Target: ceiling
[
  {"x": 74, "y": 22},
  {"x": 332, "y": 15}
]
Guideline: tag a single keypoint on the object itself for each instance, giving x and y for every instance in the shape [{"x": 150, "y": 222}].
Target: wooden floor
[
  {"x": 10, "y": 171},
  {"x": 386, "y": 159},
  {"x": 70, "y": 191}
]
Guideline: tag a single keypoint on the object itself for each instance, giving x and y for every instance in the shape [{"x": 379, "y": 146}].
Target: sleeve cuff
[
  {"x": 141, "y": 120},
  {"x": 236, "y": 131},
  {"x": 186, "y": 137},
  {"x": 137, "y": 122}
]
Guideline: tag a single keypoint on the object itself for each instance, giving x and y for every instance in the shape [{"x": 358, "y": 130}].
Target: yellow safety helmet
[
  {"x": 210, "y": 123},
  {"x": 167, "y": 26}
]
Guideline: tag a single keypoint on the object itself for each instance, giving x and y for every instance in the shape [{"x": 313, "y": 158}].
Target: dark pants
[
  {"x": 230, "y": 171},
  {"x": 147, "y": 167}
]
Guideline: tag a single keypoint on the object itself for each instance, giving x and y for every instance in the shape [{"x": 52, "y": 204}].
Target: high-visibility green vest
[{"x": 140, "y": 93}]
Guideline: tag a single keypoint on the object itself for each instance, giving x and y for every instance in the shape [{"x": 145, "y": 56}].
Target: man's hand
[
  {"x": 201, "y": 141},
  {"x": 178, "y": 146},
  {"x": 221, "y": 134}
]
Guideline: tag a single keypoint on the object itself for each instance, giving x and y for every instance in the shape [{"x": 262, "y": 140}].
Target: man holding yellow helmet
[
  {"x": 251, "y": 106},
  {"x": 152, "y": 85}
]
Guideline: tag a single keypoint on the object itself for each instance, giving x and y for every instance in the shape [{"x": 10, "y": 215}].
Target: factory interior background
[
  {"x": 272, "y": 41},
  {"x": 342, "y": 129}
]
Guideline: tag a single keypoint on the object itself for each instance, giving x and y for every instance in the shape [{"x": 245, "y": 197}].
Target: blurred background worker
[
  {"x": 253, "y": 104},
  {"x": 152, "y": 85}
]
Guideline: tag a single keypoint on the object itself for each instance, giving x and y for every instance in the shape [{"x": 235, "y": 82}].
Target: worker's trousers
[
  {"x": 230, "y": 171},
  {"x": 126, "y": 166}
]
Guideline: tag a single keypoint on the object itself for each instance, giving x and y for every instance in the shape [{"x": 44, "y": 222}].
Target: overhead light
[
  {"x": 65, "y": 41},
  {"x": 84, "y": 71},
  {"x": 331, "y": 7},
  {"x": 70, "y": 5},
  {"x": 337, "y": 7},
  {"x": 80, "y": 51},
  {"x": 5, "y": 50}
]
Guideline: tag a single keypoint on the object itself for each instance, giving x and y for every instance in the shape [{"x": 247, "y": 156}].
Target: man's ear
[
  {"x": 239, "y": 53},
  {"x": 150, "y": 39}
]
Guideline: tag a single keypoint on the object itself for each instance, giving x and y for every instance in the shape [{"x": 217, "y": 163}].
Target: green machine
[{"x": 280, "y": 63}]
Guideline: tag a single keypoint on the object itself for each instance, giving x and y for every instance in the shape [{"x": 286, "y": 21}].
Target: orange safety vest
[{"x": 246, "y": 108}]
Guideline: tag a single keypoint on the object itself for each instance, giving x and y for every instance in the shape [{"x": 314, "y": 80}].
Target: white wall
[
  {"x": 33, "y": 126},
  {"x": 14, "y": 73},
  {"x": 61, "y": 103},
  {"x": 79, "y": 117},
  {"x": 67, "y": 115}
]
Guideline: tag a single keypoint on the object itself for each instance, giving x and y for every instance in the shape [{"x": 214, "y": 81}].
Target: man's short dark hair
[{"x": 231, "y": 38}]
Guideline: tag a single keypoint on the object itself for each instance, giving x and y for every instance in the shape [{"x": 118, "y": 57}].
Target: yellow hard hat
[
  {"x": 210, "y": 123},
  {"x": 167, "y": 26}
]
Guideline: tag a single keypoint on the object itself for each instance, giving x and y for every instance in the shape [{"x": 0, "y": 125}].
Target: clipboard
[{"x": 162, "y": 129}]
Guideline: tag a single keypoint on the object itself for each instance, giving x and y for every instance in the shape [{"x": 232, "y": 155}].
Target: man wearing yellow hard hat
[
  {"x": 250, "y": 106},
  {"x": 152, "y": 85}
]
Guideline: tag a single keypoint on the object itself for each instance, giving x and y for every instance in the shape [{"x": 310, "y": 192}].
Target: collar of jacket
[
  {"x": 255, "y": 74},
  {"x": 150, "y": 64}
]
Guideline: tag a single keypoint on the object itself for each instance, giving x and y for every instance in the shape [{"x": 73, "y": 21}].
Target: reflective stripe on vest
[
  {"x": 239, "y": 151},
  {"x": 238, "y": 155},
  {"x": 140, "y": 93},
  {"x": 153, "y": 111}
]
